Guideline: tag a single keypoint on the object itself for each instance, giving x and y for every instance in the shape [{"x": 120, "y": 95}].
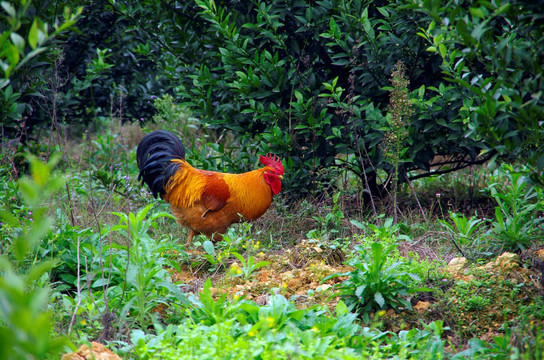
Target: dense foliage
[
  {"x": 308, "y": 80},
  {"x": 492, "y": 55}
]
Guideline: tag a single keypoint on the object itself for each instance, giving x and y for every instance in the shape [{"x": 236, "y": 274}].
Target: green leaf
[
  {"x": 333, "y": 27},
  {"x": 357, "y": 224},
  {"x": 33, "y": 35},
  {"x": 341, "y": 308},
  {"x": 479, "y": 30},
  {"x": 39, "y": 269},
  {"x": 30, "y": 191},
  {"x": 503, "y": 8},
  {"x": 421, "y": 91},
  {"x": 18, "y": 41},
  {"x": 378, "y": 297},
  {"x": 377, "y": 251},
  {"x": 477, "y": 12},
  {"x": 443, "y": 50},
  {"x": 383, "y": 11},
  {"x": 431, "y": 49},
  {"x": 360, "y": 290},
  {"x": 101, "y": 282},
  {"x": 261, "y": 264},
  {"x": 13, "y": 57},
  {"x": 10, "y": 10},
  {"x": 239, "y": 257},
  {"x": 208, "y": 247}
]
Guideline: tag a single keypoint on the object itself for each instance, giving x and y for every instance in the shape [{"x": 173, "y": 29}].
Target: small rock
[
  {"x": 97, "y": 352},
  {"x": 488, "y": 268},
  {"x": 456, "y": 264},
  {"x": 422, "y": 306},
  {"x": 287, "y": 275},
  {"x": 507, "y": 266},
  {"x": 507, "y": 262},
  {"x": 323, "y": 287}
]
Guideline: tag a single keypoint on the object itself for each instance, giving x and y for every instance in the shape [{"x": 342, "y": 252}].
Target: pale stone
[
  {"x": 422, "y": 306},
  {"x": 97, "y": 352}
]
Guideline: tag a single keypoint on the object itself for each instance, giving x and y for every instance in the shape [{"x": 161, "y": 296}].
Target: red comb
[{"x": 273, "y": 161}]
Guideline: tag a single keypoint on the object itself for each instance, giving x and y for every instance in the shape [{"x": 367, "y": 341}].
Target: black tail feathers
[{"x": 154, "y": 155}]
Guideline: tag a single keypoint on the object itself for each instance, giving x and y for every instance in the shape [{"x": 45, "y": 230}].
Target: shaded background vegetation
[{"x": 258, "y": 72}]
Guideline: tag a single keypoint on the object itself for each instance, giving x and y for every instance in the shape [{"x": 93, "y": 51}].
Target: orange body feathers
[{"x": 206, "y": 202}]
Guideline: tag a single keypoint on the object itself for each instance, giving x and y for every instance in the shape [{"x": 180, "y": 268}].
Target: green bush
[
  {"x": 492, "y": 55},
  {"x": 309, "y": 82},
  {"x": 25, "y": 43}
]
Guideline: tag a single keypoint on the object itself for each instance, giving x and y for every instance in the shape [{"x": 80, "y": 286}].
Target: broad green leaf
[
  {"x": 360, "y": 290},
  {"x": 443, "y": 50},
  {"x": 10, "y": 10},
  {"x": 341, "y": 308},
  {"x": 378, "y": 297},
  {"x": 208, "y": 247},
  {"x": 18, "y": 41},
  {"x": 33, "y": 35},
  {"x": 239, "y": 257},
  {"x": 477, "y": 12},
  {"x": 357, "y": 224},
  {"x": 39, "y": 269}
]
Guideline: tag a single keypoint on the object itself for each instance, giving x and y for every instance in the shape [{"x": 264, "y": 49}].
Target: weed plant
[
  {"x": 517, "y": 222},
  {"x": 373, "y": 285},
  {"x": 217, "y": 255},
  {"x": 248, "y": 267},
  {"x": 400, "y": 110},
  {"x": 466, "y": 233},
  {"x": 144, "y": 273}
]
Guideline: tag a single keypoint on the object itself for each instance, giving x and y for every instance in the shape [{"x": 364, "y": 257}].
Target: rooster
[{"x": 206, "y": 202}]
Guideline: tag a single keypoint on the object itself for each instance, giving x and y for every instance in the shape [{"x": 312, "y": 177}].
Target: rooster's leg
[{"x": 192, "y": 233}]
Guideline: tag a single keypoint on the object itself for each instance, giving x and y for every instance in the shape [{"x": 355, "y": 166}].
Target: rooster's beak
[{"x": 281, "y": 177}]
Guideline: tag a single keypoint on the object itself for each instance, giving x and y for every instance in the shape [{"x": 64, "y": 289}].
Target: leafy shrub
[
  {"x": 26, "y": 39},
  {"x": 226, "y": 329},
  {"x": 136, "y": 271},
  {"x": 248, "y": 266},
  {"x": 236, "y": 239},
  {"x": 110, "y": 67},
  {"x": 329, "y": 226},
  {"x": 373, "y": 285},
  {"x": 307, "y": 81},
  {"x": 492, "y": 54}
]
